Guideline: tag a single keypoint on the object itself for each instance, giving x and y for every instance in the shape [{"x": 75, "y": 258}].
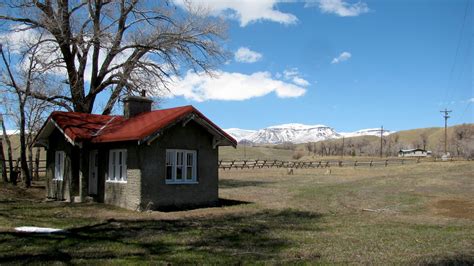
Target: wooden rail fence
[
  {"x": 259, "y": 164},
  {"x": 41, "y": 166}
]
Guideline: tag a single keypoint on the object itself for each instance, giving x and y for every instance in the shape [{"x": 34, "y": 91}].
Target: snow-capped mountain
[
  {"x": 366, "y": 132},
  {"x": 240, "y": 134},
  {"x": 295, "y": 133}
]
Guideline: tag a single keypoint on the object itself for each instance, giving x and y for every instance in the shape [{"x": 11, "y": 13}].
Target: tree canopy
[{"x": 113, "y": 47}]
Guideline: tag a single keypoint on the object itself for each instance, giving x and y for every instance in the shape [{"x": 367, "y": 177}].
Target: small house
[
  {"x": 414, "y": 153},
  {"x": 142, "y": 160}
]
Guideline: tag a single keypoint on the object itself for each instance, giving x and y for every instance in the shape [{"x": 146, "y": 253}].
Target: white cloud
[
  {"x": 294, "y": 76},
  {"x": 232, "y": 86},
  {"x": 341, "y": 58},
  {"x": 470, "y": 100},
  {"x": 300, "y": 81},
  {"x": 245, "y": 11},
  {"x": 246, "y": 55},
  {"x": 340, "y": 7}
]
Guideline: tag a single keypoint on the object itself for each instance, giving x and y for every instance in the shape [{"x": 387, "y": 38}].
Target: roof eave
[
  {"x": 222, "y": 140},
  {"x": 41, "y": 139}
]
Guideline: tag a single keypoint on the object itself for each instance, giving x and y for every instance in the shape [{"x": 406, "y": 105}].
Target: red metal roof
[
  {"x": 104, "y": 128},
  {"x": 80, "y": 126}
]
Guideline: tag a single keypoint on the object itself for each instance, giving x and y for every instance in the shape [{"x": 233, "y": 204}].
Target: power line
[
  {"x": 463, "y": 68},
  {"x": 457, "y": 48},
  {"x": 464, "y": 112}
]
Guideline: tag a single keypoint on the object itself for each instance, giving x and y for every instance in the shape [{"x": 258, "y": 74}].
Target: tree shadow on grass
[
  {"x": 237, "y": 238},
  {"x": 234, "y": 183},
  {"x": 458, "y": 260},
  {"x": 220, "y": 203}
]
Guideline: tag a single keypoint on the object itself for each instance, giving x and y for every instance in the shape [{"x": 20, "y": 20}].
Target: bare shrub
[{"x": 298, "y": 154}]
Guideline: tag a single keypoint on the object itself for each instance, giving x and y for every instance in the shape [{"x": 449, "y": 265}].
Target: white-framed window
[
  {"x": 59, "y": 165},
  {"x": 181, "y": 167},
  {"x": 117, "y": 166}
]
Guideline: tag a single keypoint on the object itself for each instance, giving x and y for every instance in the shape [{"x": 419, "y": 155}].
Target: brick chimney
[{"x": 134, "y": 105}]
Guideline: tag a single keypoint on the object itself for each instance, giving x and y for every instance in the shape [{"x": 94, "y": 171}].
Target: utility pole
[{"x": 446, "y": 116}]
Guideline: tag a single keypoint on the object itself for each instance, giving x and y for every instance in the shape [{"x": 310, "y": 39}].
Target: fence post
[
  {"x": 355, "y": 163},
  {"x": 371, "y": 163},
  {"x": 386, "y": 163}
]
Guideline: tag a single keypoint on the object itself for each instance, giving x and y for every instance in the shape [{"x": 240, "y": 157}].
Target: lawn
[{"x": 419, "y": 213}]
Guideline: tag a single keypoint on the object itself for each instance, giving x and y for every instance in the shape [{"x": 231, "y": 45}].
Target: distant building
[{"x": 414, "y": 153}]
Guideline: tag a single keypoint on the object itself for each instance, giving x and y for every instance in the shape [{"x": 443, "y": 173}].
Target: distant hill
[
  {"x": 365, "y": 145},
  {"x": 362, "y": 145},
  {"x": 427, "y": 138}
]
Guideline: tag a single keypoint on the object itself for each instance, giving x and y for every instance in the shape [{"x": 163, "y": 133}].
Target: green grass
[
  {"x": 254, "y": 153},
  {"x": 412, "y": 214}
]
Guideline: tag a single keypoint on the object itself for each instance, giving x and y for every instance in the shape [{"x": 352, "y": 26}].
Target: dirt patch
[
  {"x": 454, "y": 208},
  {"x": 9, "y": 192}
]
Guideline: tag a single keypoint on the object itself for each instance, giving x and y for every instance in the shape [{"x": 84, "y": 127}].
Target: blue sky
[
  {"x": 348, "y": 64},
  {"x": 399, "y": 66}
]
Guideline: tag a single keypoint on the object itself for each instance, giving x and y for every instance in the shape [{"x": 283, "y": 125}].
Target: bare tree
[
  {"x": 23, "y": 81},
  {"x": 117, "y": 47},
  {"x": 21, "y": 91},
  {"x": 9, "y": 148},
  {"x": 309, "y": 147},
  {"x": 424, "y": 140},
  {"x": 462, "y": 140}
]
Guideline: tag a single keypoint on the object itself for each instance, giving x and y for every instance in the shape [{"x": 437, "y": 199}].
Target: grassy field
[
  {"x": 413, "y": 214},
  {"x": 254, "y": 152},
  {"x": 267, "y": 153}
]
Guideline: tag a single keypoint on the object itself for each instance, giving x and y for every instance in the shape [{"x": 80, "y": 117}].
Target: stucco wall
[
  {"x": 128, "y": 194},
  {"x": 145, "y": 186},
  {"x": 152, "y": 161},
  {"x": 68, "y": 187}
]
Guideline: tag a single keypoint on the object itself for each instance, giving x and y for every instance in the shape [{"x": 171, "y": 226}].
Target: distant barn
[{"x": 414, "y": 153}]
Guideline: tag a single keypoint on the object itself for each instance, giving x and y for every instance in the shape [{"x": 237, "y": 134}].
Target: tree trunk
[
  {"x": 9, "y": 150},
  {"x": 24, "y": 164},
  {"x": 2, "y": 162},
  {"x": 37, "y": 161},
  {"x": 30, "y": 160},
  {"x": 14, "y": 173}
]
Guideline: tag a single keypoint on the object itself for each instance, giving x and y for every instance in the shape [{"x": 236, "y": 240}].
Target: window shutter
[
  {"x": 111, "y": 166},
  {"x": 124, "y": 165},
  {"x": 61, "y": 169}
]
